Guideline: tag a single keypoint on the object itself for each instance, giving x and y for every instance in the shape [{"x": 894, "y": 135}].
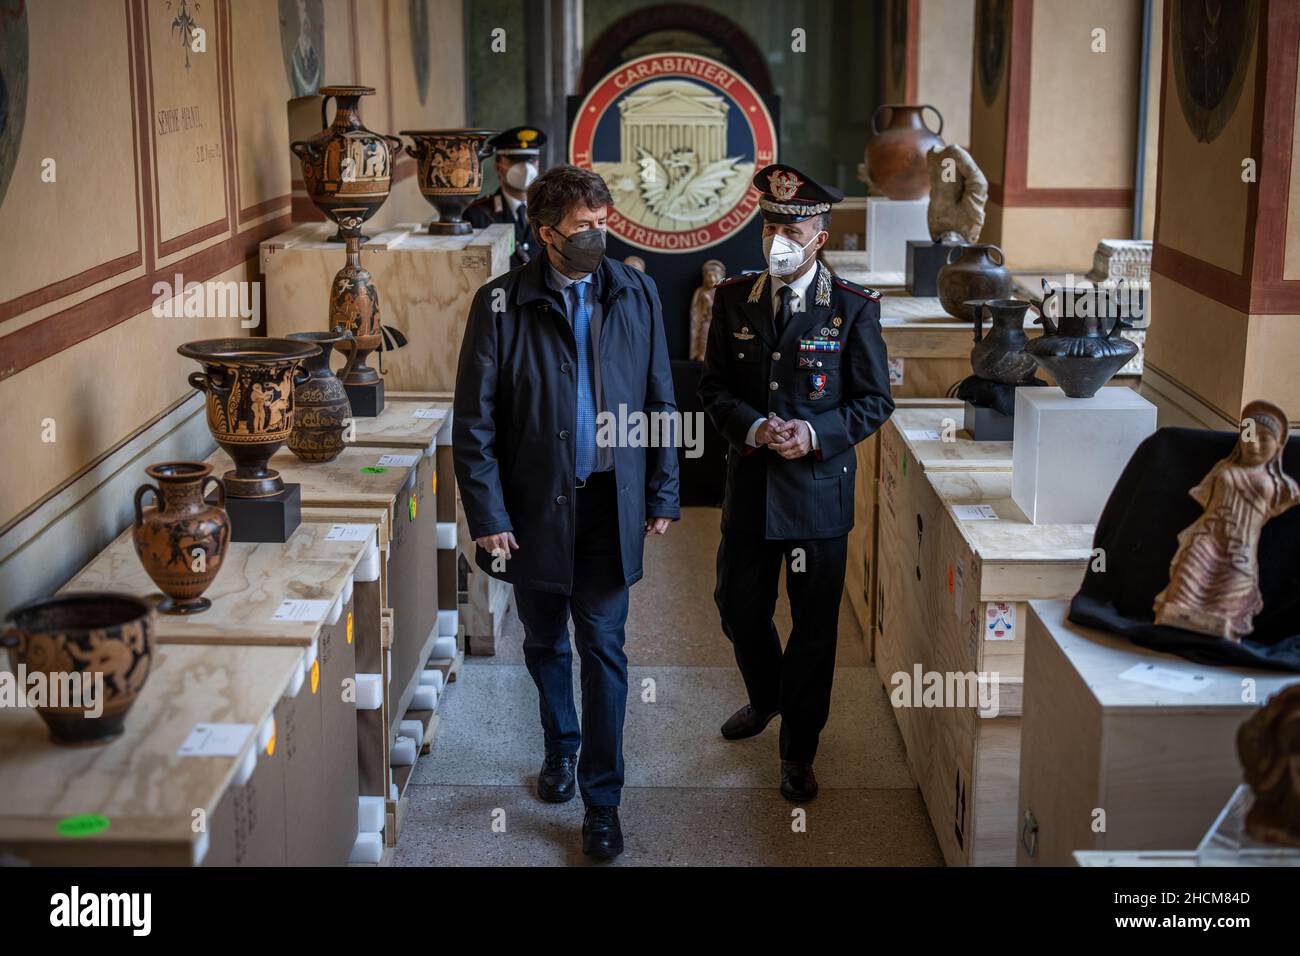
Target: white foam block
[
  {"x": 347, "y": 589},
  {"x": 309, "y": 658},
  {"x": 403, "y": 751},
  {"x": 370, "y": 691},
  {"x": 444, "y": 433},
  {"x": 295, "y": 682},
  {"x": 368, "y": 566},
  {"x": 336, "y": 611},
  {"x": 246, "y": 767},
  {"x": 425, "y": 698},
  {"x": 431, "y": 448},
  {"x": 411, "y": 728},
  {"x": 890, "y": 223},
  {"x": 369, "y": 848},
  {"x": 444, "y": 648},
  {"x": 370, "y": 814},
  {"x": 1067, "y": 453},
  {"x": 431, "y": 677},
  {"x": 265, "y": 732},
  {"x": 200, "y": 848},
  {"x": 448, "y": 623},
  {"x": 446, "y": 535}
]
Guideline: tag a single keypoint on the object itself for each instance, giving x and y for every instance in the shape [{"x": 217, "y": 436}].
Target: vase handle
[
  {"x": 955, "y": 250},
  {"x": 221, "y": 490},
  {"x": 1001, "y": 259},
  {"x": 139, "y": 494},
  {"x": 324, "y": 102},
  {"x": 199, "y": 381},
  {"x": 977, "y": 306},
  {"x": 301, "y": 376},
  {"x": 353, "y": 352},
  {"x": 875, "y": 130},
  {"x": 415, "y": 149},
  {"x": 938, "y": 132}
]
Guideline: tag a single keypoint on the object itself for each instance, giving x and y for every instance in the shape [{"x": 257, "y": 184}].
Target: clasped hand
[{"x": 792, "y": 439}]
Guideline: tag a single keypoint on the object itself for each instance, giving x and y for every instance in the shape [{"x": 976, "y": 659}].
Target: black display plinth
[
  {"x": 988, "y": 424},
  {"x": 261, "y": 520},
  {"x": 924, "y": 260},
  {"x": 367, "y": 401}
]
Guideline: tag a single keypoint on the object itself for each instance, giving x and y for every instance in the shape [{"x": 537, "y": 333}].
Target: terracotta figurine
[
  {"x": 713, "y": 272},
  {"x": 1214, "y": 577},
  {"x": 1268, "y": 745},
  {"x": 958, "y": 192}
]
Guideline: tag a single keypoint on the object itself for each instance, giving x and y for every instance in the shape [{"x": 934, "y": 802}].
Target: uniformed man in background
[
  {"x": 795, "y": 375},
  {"x": 516, "y": 164}
]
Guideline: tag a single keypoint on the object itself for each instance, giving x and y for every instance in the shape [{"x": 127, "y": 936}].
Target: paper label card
[
  {"x": 974, "y": 512},
  {"x": 398, "y": 461},
  {"x": 999, "y": 622},
  {"x": 350, "y": 532},
  {"x": 1166, "y": 678},
  {"x": 216, "y": 740},
  {"x": 301, "y": 610},
  {"x": 895, "y": 371},
  {"x": 922, "y": 434},
  {"x": 428, "y": 413}
]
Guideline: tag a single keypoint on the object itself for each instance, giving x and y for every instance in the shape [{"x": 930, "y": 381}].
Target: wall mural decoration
[
  {"x": 302, "y": 42},
  {"x": 13, "y": 85},
  {"x": 1211, "y": 42},
  {"x": 183, "y": 24},
  {"x": 992, "y": 30},
  {"x": 419, "y": 13}
]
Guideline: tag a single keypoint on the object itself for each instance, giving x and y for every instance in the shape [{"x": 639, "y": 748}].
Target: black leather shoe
[
  {"x": 602, "y": 837},
  {"x": 555, "y": 781},
  {"x": 746, "y": 722},
  {"x": 798, "y": 782}
]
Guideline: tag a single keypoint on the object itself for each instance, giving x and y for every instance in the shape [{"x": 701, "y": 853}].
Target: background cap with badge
[{"x": 522, "y": 141}]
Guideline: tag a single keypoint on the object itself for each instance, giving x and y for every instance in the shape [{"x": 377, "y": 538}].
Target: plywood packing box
[
  {"x": 135, "y": 801},
  {"x": 1124, "y": 748},
  {"x": 316, "y": 727},
  {"x": 426, "y": 284}
]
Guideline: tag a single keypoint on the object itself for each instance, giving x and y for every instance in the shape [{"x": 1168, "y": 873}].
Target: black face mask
[{"x": 583, "y": 250}]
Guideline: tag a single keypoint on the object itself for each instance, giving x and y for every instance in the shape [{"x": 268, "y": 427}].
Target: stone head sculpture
[{"x": 958, "y": 192}]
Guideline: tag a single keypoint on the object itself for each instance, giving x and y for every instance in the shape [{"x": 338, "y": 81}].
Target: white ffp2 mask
[
  {"x": 521, "y": 175},
  {"x": 783, "y": 255}
]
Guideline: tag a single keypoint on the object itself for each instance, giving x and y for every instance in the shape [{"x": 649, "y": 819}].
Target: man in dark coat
[
  {"x": 795, "y": 375},
  {"x": 516, "y": 164},
  {"x": 552, "y": 349}
]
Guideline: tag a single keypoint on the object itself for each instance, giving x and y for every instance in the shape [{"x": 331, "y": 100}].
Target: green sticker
[
  {"x": 904, "y": 464},
  {"x": 373, "y": 470},
  {"x": 87, "y": 824}
]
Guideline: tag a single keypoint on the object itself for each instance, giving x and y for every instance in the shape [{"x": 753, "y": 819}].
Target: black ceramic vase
[
  {"x": 1082, "y": 348},
  {"x": 999, "y": 354}
]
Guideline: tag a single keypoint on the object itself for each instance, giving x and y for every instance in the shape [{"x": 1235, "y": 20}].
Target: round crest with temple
[
  {"x": 790, "y": 196},
  {"x": 518, "y": 141}
]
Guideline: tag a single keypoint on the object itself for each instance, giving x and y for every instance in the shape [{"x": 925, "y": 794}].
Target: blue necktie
[{"x": 586, "y": 450}]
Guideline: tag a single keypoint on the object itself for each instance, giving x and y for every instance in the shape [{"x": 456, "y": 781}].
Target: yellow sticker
[
  {"x": 315, "y": 675},
  {"x": 349, "y": 627},
  {"x": 434, "y": 482},
  {"x": 270, "y": 744},
  {"x": 413, "y": 505}
]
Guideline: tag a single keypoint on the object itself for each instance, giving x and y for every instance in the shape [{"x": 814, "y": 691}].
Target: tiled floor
[{"x": 691, "y": 797}]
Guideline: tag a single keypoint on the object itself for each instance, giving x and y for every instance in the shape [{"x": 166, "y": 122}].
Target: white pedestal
[
  {"x": 890, "y": 223},
  {"x": 1068, "y": 452}
]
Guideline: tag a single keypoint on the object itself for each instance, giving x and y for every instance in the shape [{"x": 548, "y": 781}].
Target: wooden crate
[
  {"x": 1159, "y": 761},
  {"x": 942, "y": 572},
  {"x": 356, "y": 479},
  {"x": 317, "y": 725},
  {"x": 426, "y": 284},
  {"x": 483, "y": 600},
  {"x": 142, "y": 787},
  {"x": 904, "y": 443},
  {"x": 859, "y": 578}
]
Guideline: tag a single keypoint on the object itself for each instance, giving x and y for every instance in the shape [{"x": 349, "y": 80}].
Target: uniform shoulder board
[
  {"x": 856, "y": 289},
  {"x": 733, "y": 279}
]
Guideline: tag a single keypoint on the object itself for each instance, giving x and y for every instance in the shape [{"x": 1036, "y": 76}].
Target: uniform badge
[
  {"x": 819, "y": 345},
  {"x": 825, "y": 331},
  {"x": 744, "y": 334},
  {"x": 837, "y": 321},
  {"x": 835, "y": 331},
  {"x": 819, "y": 385},
  {"x": 784, "y": 184},
  {"x": 807, "y": 361}
]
